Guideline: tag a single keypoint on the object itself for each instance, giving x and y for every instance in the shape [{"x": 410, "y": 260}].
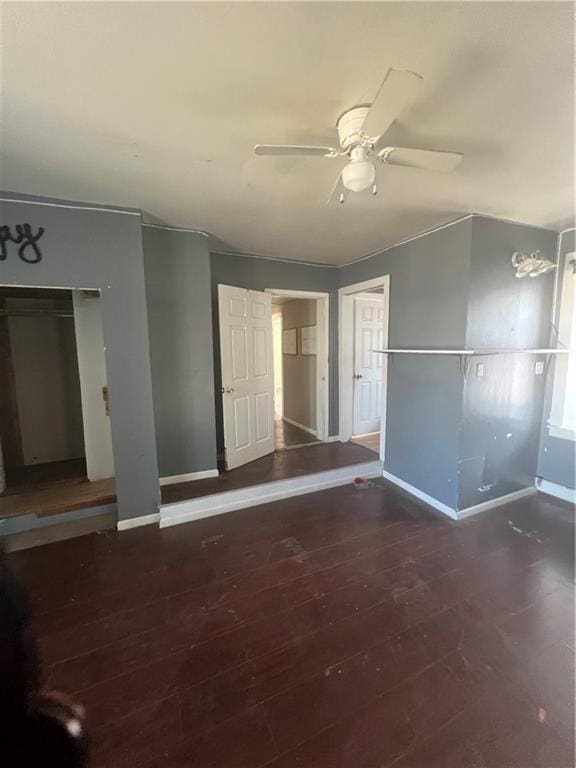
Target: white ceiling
[{"x": 158, "y": 106}]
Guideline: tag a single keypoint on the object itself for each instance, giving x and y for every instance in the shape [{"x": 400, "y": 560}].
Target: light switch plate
[
  {"x": 480, "y": 370},
  {"x": 539, "y": 367}
]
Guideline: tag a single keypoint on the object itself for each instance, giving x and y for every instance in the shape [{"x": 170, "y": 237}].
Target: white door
[
  {"x": 368, "y": 334},
  {"x": 247, "y": 374}
]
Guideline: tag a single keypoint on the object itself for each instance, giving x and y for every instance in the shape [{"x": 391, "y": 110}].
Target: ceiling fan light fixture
[{"x": 359, "y": 175}]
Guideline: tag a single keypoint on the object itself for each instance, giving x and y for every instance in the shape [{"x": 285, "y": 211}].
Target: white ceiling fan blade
[
  {"x": 339, "y": 192},
  {"x": 428, "y": 159},
  {"x": 398, "y": 88},
  {"x": 294, "y": 150}
]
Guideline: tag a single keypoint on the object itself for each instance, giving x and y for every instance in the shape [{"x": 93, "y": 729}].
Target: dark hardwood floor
[
  {"x": 52, "y": 489},
  {"x": 288, "y": 436},
  {"x": 34, "y": 474},
  {"x": 343, "y": 629},
  {"x": 56, "y": 497},
  {"x": 276, "y": 466}
]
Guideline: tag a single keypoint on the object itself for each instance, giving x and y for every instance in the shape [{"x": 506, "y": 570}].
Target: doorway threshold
[
  {"x": 370, "y": 441},
  {"x": 277, "y": 476}
]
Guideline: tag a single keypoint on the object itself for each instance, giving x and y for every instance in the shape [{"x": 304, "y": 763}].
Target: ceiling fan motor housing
[{"x": 350, "y": 127}]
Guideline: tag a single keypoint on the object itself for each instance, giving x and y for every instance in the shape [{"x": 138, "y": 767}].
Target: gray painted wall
[
  {"x": 86, "y": 248},
  {"x": 557, "y": 457},
  {"x": 259, "y": 274},
  {"x": 451, "y": 288},
  {"x": 177, "y": 269},
  {"x": 428, "y": 301},
  {"x": 299, "y": 371},
  {"x": 503, "y": 409}
]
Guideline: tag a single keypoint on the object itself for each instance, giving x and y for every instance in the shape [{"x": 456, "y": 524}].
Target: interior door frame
[
  {"x": 359, "y": 297},
  {"x": 322, "y": 353},
  {"x": 346, "y": 356}
]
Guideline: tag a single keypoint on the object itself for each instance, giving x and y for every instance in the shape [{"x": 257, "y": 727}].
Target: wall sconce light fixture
[{"x": 531, "y": 265}]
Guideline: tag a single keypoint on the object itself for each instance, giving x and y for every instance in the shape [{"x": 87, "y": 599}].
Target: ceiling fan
[{"x": 360, "y": 134}]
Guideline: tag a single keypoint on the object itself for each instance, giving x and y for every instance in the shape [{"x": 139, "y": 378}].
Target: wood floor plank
[{"x": 343, "y": 628}]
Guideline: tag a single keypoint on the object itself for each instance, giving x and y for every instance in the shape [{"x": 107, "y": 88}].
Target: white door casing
[
  {"x": 93, "y": 380},
  {"x": 368, "y": 335},
  {"x": 322, "y": 353},
  {"x": 346, "y": 296},
  {"x": 247, "y": 373}
]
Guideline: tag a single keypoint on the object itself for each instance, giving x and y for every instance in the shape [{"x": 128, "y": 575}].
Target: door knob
[{"x": 229, "y": 389}]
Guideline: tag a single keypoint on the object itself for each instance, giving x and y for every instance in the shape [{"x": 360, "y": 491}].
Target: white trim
[
  {"x": 322, "y": 356},
  {"x": 275, "y": 258},
  {"x": 137, "y": 522},
  {"x": 230, "y": 501},
  {"x": 279, "y": 258},
  {"x": 70, "y": 205},
  {"x": 171, "y": 479},
  {"x": 410, "y": 239},
  {"x": 553, "y": 489},
  {"x": 563, "y": 318},
  {"x": 382, "y": 250},
  {"x": 176, "y": 229},
  {"x": 563, "y": 433},
  {"x": 346, "y": 357},
  {"x": 300, "y": 426},
  {"x": 440, "y": 506},
  {"x": 367, "y": 296},
  {"x": 297, "y": 294},
  {"x": 485, "y": 505},
  {"x": 445, "y": 226},
  {"x": 334, "y": 439},
  {"x": 364, "y": 285}
]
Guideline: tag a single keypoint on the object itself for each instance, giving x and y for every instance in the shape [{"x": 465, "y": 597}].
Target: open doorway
[
  {"x": 294, "y": 325},
  {"x": 54, "y": 417},
  {"x": 249, "y": 359},
  {"x": 363, "y": 329}
]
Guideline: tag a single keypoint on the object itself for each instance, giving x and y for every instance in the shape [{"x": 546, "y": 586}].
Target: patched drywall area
[{"x": 299, "y": 370}]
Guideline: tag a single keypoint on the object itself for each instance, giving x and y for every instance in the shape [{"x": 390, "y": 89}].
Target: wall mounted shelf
[
  {"x": 465, "y": 355},
  {"x": 472, "y": 352}
]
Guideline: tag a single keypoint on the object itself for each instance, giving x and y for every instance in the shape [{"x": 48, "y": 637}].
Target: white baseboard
[
  {"x": 333, "y": 439},
  {"x": 485, "y": 505},
  {"x": 300, "y": 426},
  {"x": 189, "y": 476},
  {"x": 136, "y": 522},
  {"x": 229, "y": 501},
  {"x": 441, "y": 507},
  {"x": 553, "y": 489}
]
